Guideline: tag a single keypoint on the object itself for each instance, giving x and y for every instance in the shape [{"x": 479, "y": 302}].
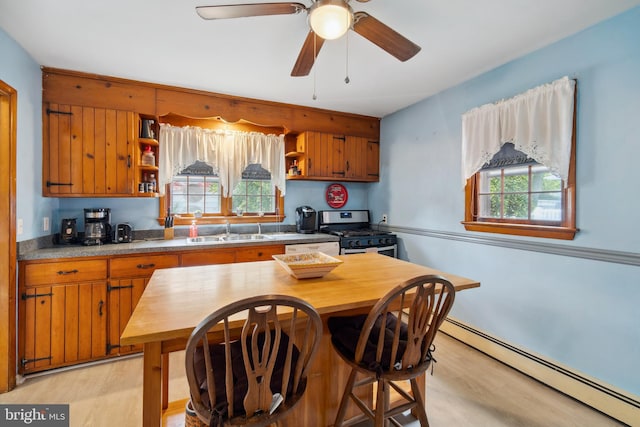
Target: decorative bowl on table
[{"x": 307, "y": 265}]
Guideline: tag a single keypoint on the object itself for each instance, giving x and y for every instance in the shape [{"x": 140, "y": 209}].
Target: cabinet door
[
  {"x": 129, "y": 277},
  {"x": 87, "y": 151},
  {"x": 328, "y": 156},
  {"x": 373, "y": 161},
  {"x": 63, "y": 324},
  {"x": 355, "y": 158},
  {"x": 123, "y": 297}
]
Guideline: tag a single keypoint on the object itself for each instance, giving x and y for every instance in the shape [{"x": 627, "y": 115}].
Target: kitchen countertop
[{"x": 161, "y": 245}]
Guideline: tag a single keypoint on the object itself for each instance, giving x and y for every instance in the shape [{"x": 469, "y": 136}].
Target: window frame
[
  {"x": 566, "y": 230},
  {"x": 226, "y": 213}
]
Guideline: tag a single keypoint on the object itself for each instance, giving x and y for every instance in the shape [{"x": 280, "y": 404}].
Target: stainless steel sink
[
  {"x": 203, "y": 239},
  {"x": 227, "y": 238},
  {"x": 235, "y": 237}
]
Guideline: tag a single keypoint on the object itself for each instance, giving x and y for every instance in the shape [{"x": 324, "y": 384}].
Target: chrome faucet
[
  {"x": 228, "y": 227},
  {"x": 259, "y": 229}
]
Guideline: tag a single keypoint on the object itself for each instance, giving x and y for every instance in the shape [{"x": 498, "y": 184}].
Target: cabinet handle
[
  {"x": 310, "y": 164},
  {"x": 66, "y": 113},
  {"x": 145, "y": 266},
  {"x": 65, "y": 273},
  {"x": 26, "y": 296},
  {"x": 100, "y": 304},
  {"x": 114, "y": 288},
  {"x": 129, "y": 161},
  {"x": 259, "y": 253},
  {"x": 348, "y": 166},
  {"x": 51, "y": 184}
]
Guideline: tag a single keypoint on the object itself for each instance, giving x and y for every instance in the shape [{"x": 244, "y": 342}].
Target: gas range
[{"x": 355, "y": 232}]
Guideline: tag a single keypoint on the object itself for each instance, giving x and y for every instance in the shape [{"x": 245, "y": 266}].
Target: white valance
[
  {"x": 228, "y": 152},
  {"x": 538, "y": 122}
]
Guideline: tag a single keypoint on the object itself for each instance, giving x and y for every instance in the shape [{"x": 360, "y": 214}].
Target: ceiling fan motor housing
[{"x": 330, "y": 19}]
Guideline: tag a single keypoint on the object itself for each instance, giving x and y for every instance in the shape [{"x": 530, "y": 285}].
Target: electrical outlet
[
  {"x": 45, "y": 223},
  {"x": 384, "y": 218},
  {"x": 20, "y": 226}
]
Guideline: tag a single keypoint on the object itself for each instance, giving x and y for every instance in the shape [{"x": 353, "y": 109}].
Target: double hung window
[{"x": 519, "y": 164}]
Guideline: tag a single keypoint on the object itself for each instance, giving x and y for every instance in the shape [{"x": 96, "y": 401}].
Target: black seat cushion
[
  {"x": 345, "y": 332},
  {"x": 240, "y": 382}
]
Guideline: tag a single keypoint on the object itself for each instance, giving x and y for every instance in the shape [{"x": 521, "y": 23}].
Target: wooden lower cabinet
[
  {"x": 124, "y": 295},
  {"x": 74, "y": 310},
  {"x": 128, "y": 276},
  {"x": 62, "y": 324}
]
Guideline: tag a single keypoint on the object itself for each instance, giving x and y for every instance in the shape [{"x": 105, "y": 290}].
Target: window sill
[
  {"x": 233, "y": 219},
  {"x": 550, "y": 232}
]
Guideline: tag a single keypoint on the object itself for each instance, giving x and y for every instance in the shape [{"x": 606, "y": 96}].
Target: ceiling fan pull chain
[
  {"x": 315, "y": 56},
  {"x": 346, "y": 79}
]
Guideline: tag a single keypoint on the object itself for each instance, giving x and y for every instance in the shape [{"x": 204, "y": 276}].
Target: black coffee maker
[
  {"x": 305, "y": 219},
  {"x": 97, "y": 226}
]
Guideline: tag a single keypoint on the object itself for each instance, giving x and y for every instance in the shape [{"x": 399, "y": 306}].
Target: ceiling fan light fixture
[{"x": 330, "y": 19}]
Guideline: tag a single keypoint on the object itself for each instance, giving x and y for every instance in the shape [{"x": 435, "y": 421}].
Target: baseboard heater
[{"x": 618, "y": 404}]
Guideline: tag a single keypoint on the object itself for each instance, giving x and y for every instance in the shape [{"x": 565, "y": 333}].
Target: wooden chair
[
  {"x": 243, "y": 354},
  {"x": 394, "y": 342}
]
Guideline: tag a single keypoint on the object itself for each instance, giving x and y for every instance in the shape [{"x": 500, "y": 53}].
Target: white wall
[{"x": 580, "y": 312}]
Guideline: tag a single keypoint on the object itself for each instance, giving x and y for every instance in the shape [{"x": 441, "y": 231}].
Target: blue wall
[
  {"x": 142, "y": 213},
  {"x": 20, "y": 71},
  {"x": 579, "y": 312}
]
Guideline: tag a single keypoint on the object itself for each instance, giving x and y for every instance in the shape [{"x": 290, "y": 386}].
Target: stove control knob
[{"x": 371, "y": 242}]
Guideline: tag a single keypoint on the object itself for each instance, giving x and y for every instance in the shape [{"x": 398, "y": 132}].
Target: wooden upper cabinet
[
  {"x": 373, "y": 160},
  {"x": 324, "y": 156},
  {"x": 87, "y": 151}
]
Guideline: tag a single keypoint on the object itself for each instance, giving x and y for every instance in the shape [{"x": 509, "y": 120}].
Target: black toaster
[{"x": 122, "y": 233}]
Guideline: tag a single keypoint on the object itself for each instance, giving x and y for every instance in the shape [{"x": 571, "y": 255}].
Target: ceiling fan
[{"x": 328, "y": 19}]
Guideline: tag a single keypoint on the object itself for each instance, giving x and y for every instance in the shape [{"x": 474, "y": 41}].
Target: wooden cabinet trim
[{"x": 78, "y": 88}]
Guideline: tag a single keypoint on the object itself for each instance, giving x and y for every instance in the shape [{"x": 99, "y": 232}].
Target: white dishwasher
[{"x": 329, "y": 248}]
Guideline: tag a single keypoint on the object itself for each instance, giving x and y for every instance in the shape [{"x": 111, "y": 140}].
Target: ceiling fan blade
[
  {"x": 383, "y": 36},
  {"x": 307, "y": 56},
  {"x": 246, "y": 10}
]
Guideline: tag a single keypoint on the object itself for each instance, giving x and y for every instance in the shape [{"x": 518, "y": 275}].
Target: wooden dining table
[{"x": 177, "y": 299}]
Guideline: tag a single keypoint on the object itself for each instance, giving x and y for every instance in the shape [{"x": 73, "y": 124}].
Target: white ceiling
[{"x": 166, "y": 42}]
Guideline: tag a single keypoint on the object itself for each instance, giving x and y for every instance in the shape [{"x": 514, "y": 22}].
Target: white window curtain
[
  {"x": 228, "y": 152},
  {"x": 538, "y": 122},
  {"x": 245, "y": 148}
]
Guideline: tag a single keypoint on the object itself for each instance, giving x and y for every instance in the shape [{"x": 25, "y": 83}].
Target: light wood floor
[{"x": 467, "y": 389}]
